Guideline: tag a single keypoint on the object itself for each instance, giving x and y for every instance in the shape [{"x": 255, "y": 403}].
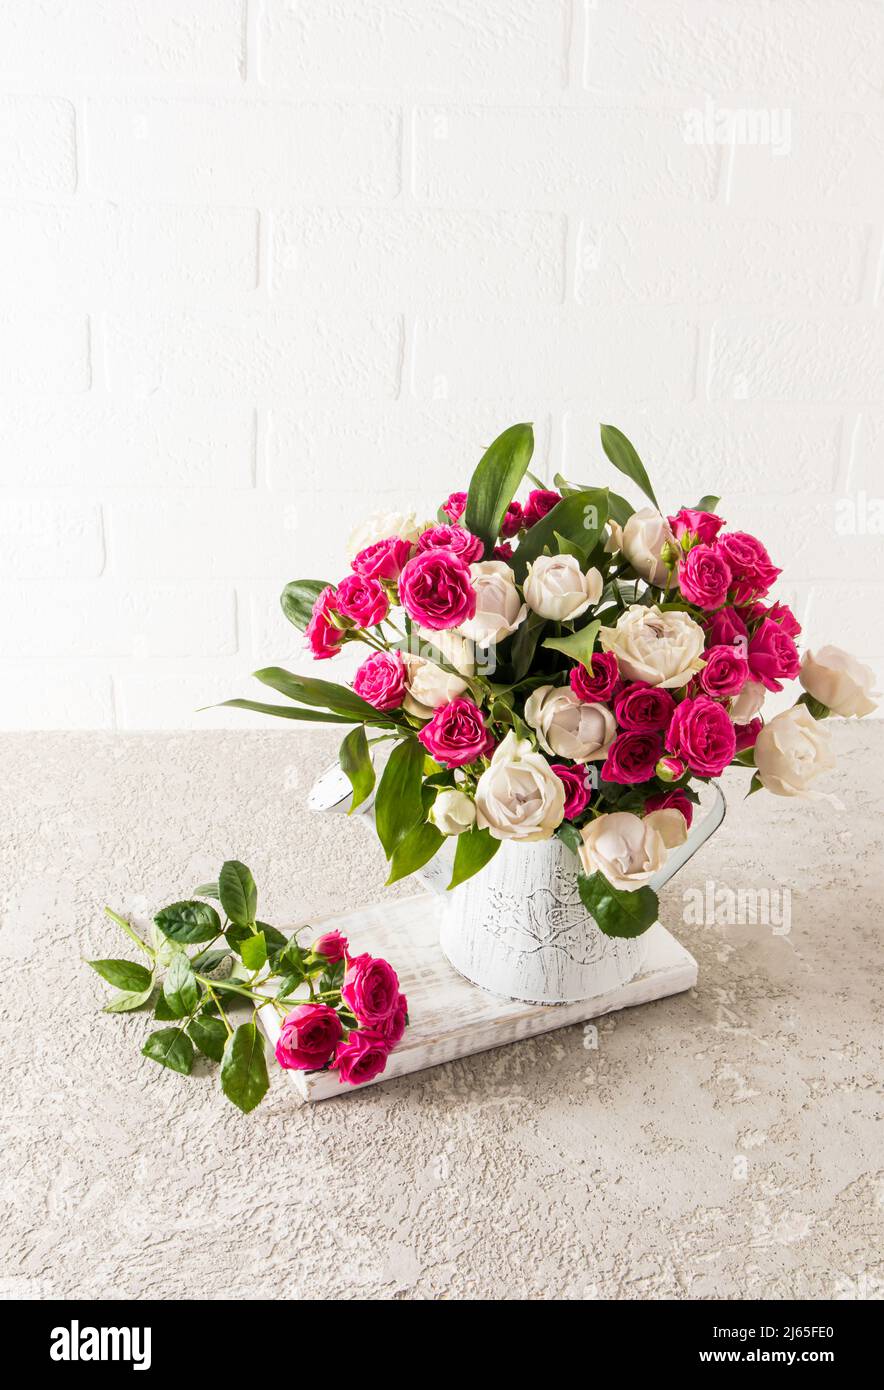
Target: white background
[{"x": 268, "y": 265}]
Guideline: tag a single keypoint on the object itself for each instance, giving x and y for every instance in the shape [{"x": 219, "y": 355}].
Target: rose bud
[{"x": 670, "y": 769}]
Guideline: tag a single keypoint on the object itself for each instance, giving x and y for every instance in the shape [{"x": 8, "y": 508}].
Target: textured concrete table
[{"x": 720, "y": 1143}]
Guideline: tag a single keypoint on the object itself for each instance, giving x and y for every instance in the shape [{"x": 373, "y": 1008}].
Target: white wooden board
[{"x": 451, "y": 1017}]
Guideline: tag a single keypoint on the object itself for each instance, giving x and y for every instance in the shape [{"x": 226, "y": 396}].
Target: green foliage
[{"x": 495, "y": 480}]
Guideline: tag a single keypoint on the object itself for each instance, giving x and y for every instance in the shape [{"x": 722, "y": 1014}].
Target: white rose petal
[
  {"x": 569, "y": 726},
  {"x": 452, "y": 812},
  {"x": 664, "y": 649},
  {"x": 380, "y": 526},
  {"x": 791, "y": 752},
  {"x": 839, "y": 681},
  {"x": 556, "y": 588},
  {"x": 499, "y": 607},
  {"x": 427, "y": 686},
  {"x": 518, "y": 796},
  {"x": 456, "y": 650},
  {"x": 629, "y": 850},
  {"x": 748, "y": 703},
  {"x": 644, "y": 536}
]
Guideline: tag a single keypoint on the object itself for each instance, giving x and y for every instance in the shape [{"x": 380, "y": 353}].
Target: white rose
[
  {"x": 644, "y": 536},
  {"x": 664, "y": 649},
  {"x": 791, "y": 751},
  {"x": 747, "y": 704},
  {"x": 518, "y": 796},
  {"x": 629, "y": 850},
  {"x": 452, "y": 812},
  {"x": 839, "y": 681},
  {"x": 569, "y": 726},
  {"x": 614, "y": 541},
  {"x": 379, "y": 526},
  {"x": 556, "y": 587},
  {"x": 499, "y": 607},
  {"x": 453, "y": 648},
  {"x": 428, "y": 686}
]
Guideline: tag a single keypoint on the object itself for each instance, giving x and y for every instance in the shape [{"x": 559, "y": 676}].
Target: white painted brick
[
  {"x": 103, "y": 250},
  {"x": 797, "y": 360},
  {"x": 99, "y": 618},
  {"x": 808, "y": 540},
  {"x": 40, "y": 696},
  {"x": 184, "y": 39},
  {"x": 847, "y": 615},
  {"x": 49, "y": 537},
  {"x": 721, "y": 261},
  {"x": 38, "y": 152},
  {"x": 235, "y": 151},
  {"x": 500, "y": 46},
  {"x": 831, "y": 50},
  {"x": 559, "y": 356},
  {"x": 867, "y": 461},
  {"x": 176, "y": 699},
  {"x": 254, "y": 354},
  {"x": 399, "y": 445},
  {"x": 725, "y": 451},
  {"x": 91, "y": 441},
  {"x": 273, "y": 641},
  {"x": 828, "y": 171},
  {"x": 549, "y": 157},
  {"x": 399, "y": 257},
  {"x": 44, "y": 353}
]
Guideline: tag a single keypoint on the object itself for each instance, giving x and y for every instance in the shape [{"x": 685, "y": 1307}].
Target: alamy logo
[{"x": 76, "y": 1343}]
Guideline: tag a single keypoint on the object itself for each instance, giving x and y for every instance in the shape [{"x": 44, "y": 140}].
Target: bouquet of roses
[
  {"x": 564, "y": 666},
  {"x": 338, "y": 1011}
]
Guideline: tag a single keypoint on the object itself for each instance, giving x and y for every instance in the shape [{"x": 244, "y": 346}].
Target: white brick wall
[{"x": 267, "y": 263}]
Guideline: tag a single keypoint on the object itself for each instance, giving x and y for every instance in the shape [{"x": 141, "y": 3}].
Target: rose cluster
[{"x": 354, "y": 1026}]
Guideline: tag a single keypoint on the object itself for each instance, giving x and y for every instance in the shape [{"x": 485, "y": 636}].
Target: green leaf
[
  {"x": 578, "y": 645},
  {"x": 570, "y": 836},
  {"x": 355, "y": 759},
  {"x": 616, "y": 911},
  {"x": 210, "y": 1036},
  {"x": 619, "y": 509},
  {"x": 414, "y": 850},
  {"x": 123, "y": 974},
  {"x": 307, "y": 716},
  {"x": 580, "y": 517},
  {"x": 207, "y": 890},
  {"x": 244, "y": 1068},
  {"x": 707, "y": 503},
  {"x": 756, "y": 785},
  {"x": 254, "y": 951},
  {"x": 474, "y": 850},
  {"x": 306, "y": 690},
  {"x": 495, "y": 480},
  {"x": 297, "y": 600},
  {"x": 746, "y": 758},
  {"x": 566, "y": 547},
  {"x": 180, "y": 989},
  {"x": 162, "y": 1012},
  {"x": 172, "y": 1048},
  {"x": 239, "y": 896},
  {"x": 624, "y": 457},
  {"x": 398, "y": 803},
  {"x": 189, "y": 922},
  {"x": 814, "y": 706},
  {"x": 129, "y": 1000},
  {"x": 524, "y": 644}
]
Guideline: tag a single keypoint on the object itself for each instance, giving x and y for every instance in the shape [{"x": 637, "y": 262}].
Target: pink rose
[
  {"x": 392, "y": 1029},
  {"x": 381, "y": 680},
  {"x": 322, "y": 637},
  {"x": 455, "y": 539},
  {"x": 750, "y": 565},
  {"x": 777, "y": 613},
  {"x": 540, "y": 501},
  {"x": 643, "y": 709},
  {"x": 504, "y": 551},
  {"x": 701, "y": 732},
  {"x": 361, "y": 1058},
  {"x": 725, "y": 673},
  {"x": 455, "y": 506},
  {"x": 436, "y": 590},
  {"x": 675, "y": 800},
  {"x": 308, "y": 1037},
  {"x": 456, "y": 734},
  {"x": 361, "y": 599},
  {"x": 772, "y": 654},
  {"x": 726, "y": 629},
  {"x": 370, "y": 989},
  {"x": 577, "y": 790},
  {"x": 748, "y": 733},
  {"x": 383, "y": 560},
  {"x": 601, "y": 684},
  {"x": 689, "y": 522},
  {"x": 513, "y": 521},
  {"x": 331, "y": 945},
  {"x": 632, "y": 758},
  {"x": 704, "y": 577}
]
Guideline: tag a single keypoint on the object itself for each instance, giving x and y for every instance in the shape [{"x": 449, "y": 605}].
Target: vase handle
[{"x": 697, "y": 836}]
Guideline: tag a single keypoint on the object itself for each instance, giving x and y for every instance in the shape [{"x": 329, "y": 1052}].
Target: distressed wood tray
[{"x": 451, "y": 1017}]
